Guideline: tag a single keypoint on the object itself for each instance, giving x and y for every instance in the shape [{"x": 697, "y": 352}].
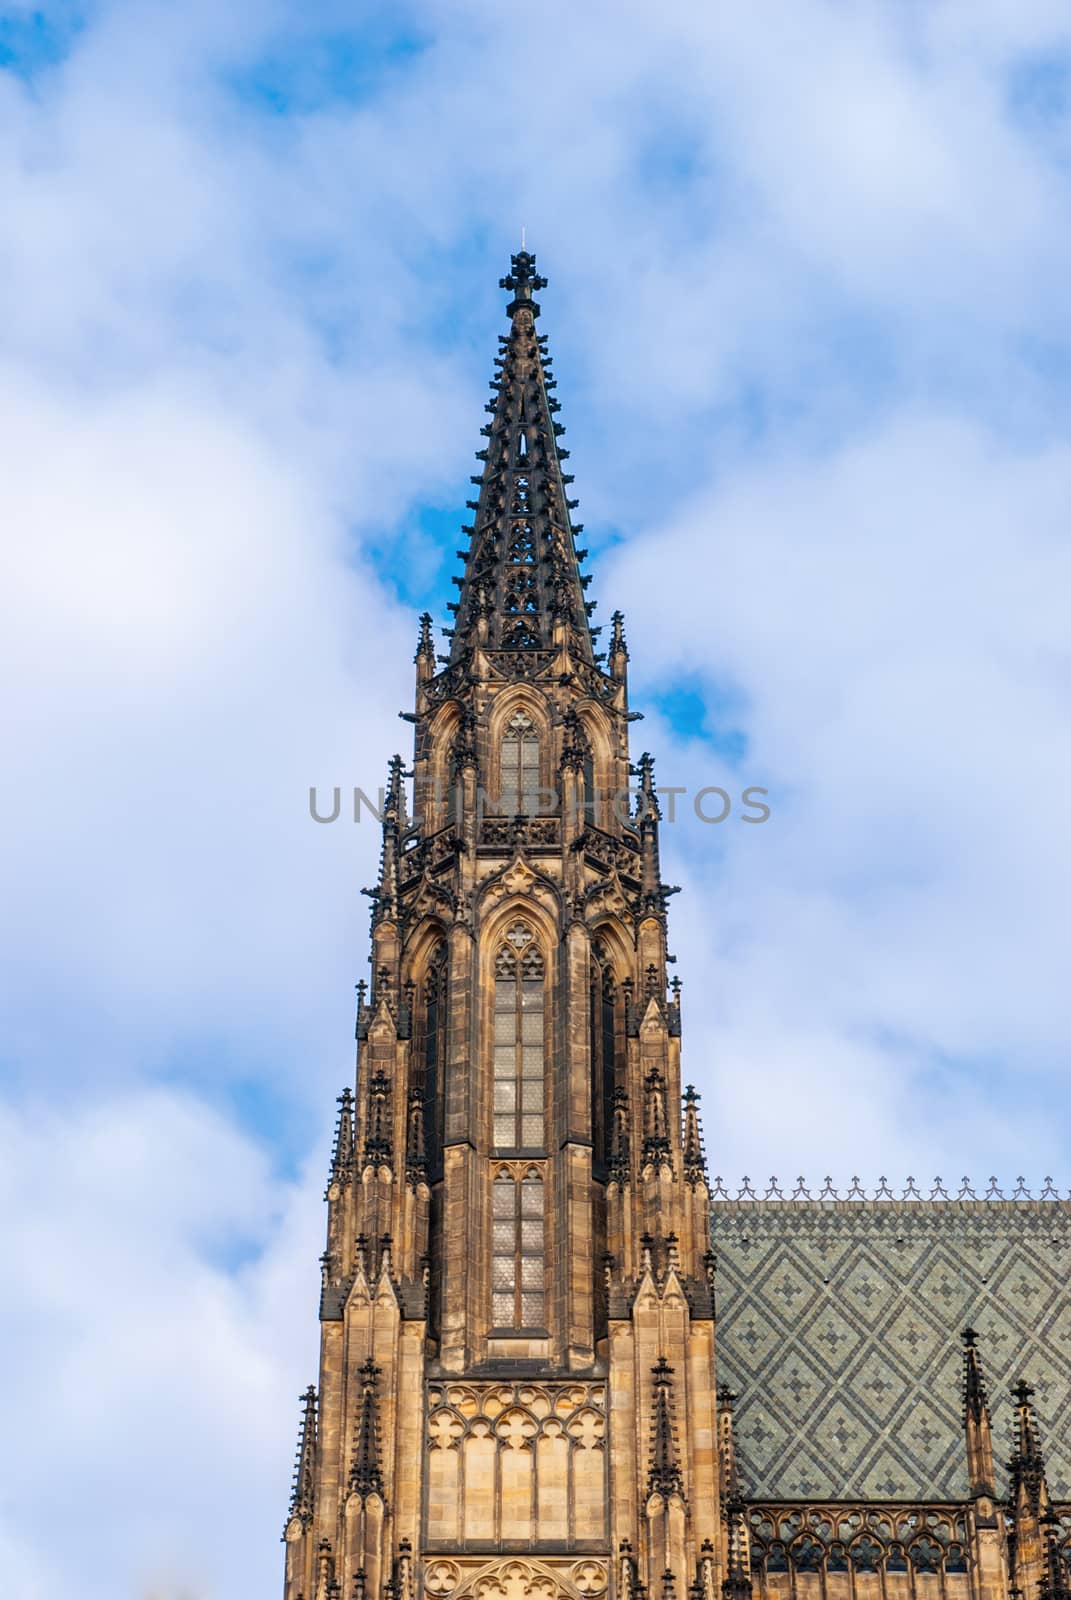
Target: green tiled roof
[{"x": 839, "y": 1327}]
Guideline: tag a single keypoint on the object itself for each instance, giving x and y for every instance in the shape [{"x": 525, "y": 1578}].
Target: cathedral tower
[{"x": 516, "y": 1393}]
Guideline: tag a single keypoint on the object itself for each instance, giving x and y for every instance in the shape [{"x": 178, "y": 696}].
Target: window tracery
[
  {"x": 519, "y": 766},
  {"x": 517, "y": 1265},
  {"x": 836, "y": 1540},
  {"x": 518, "y": 1066}
]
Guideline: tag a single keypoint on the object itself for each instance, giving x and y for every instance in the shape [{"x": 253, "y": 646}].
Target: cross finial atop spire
[{"x": 522, "y": 280}]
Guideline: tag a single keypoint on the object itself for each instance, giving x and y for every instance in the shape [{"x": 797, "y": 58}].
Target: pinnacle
[
  {"x": 975, "y": 1398},
  {"x": 1026, "y": 1468},
  {"x": 665, "y": 1474},
  {"x": 302, "y": 1493}
]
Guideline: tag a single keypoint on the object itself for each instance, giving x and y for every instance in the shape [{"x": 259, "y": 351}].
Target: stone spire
[
  {"x": 1054, "y": 1584},
  {"x": 1027, "y": 1487},
  {"x": 980, "y": 1473},
  {"x": 366, "y": 1478},
  {"x": 664, "y": 1476},
  {"x": 617, "y": 656},
  {"x": 342, "y": 1151},
  {"x": 385, "y": 896},
  {"x": 649, "y": 814},
  {"x": 1029, "y": 1502},
  {"x": 302, "y": 1495},
  {"x": 522, "y": 590},
  {"x": 695, "y": 1161}
]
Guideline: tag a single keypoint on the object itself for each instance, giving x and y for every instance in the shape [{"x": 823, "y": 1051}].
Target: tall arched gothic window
[
  {"x": 518, "y": 1042},
  {"x": 519, "y": 767},
  {"x": 518, "y": 1280},
  {"x": 433, "y": 1050},
  {"x": 603, "y": 1059}
]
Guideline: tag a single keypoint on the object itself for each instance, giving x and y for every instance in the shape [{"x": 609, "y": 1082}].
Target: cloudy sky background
[{"x": 808, "y": 305}]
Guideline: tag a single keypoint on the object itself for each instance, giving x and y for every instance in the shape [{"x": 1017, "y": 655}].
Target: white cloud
[
  {"x": 148, "y": 1386},
  {"x": 891, "y": 615}
]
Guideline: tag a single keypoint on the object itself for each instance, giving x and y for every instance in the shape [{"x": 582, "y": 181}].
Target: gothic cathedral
[{"x": 518, "y": 1395}]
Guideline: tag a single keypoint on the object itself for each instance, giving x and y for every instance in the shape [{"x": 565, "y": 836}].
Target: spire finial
[
  {"x": 521, "y": 280},
  {"x": 618, "y": 645}
]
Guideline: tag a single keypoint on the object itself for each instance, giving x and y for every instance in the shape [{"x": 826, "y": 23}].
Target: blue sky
[{"x": 808, "y": 311}]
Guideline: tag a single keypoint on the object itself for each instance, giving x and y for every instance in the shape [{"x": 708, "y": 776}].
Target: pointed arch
[
  {"x": 440, "y": 800},
  {"x": 599, "y": 767},
  {"x": 519, "y": 1041},
  {"x": 521, "y": 770}
]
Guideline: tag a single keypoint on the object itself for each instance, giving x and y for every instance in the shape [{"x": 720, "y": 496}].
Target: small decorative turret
[
  {"x": 342, "y": 1151},
  {"x": 385, "y": 896},
  {"x": 648, "y": 817},
  {"x": 656, "y": 1142},
  {"x": 575, "y": 747},
  {"x": 694, "y": 1160},
  {"x": 1029, "y": 1502},
  {"x": 425, "y": 651},
  {"x": 416, "y": 1162},
  {"x": 664, "y": 1477},
  {"x": 377, "y": 1144},
  {"x": 1027, "y": 1484},
  {"x": 463, "y": 753},
  {"x": 737, "y": 1582},
  {"x": 366, "y": 1477},
  {"x": 303, "y": 1492},
  {"x": 620, "y": 1162},
  {"x": 1054, "y": 1584},
  {"x": 326, "y": 1588},
  {"x": 980, "y": 1471},
  {"x": 618, "y": 653}
]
